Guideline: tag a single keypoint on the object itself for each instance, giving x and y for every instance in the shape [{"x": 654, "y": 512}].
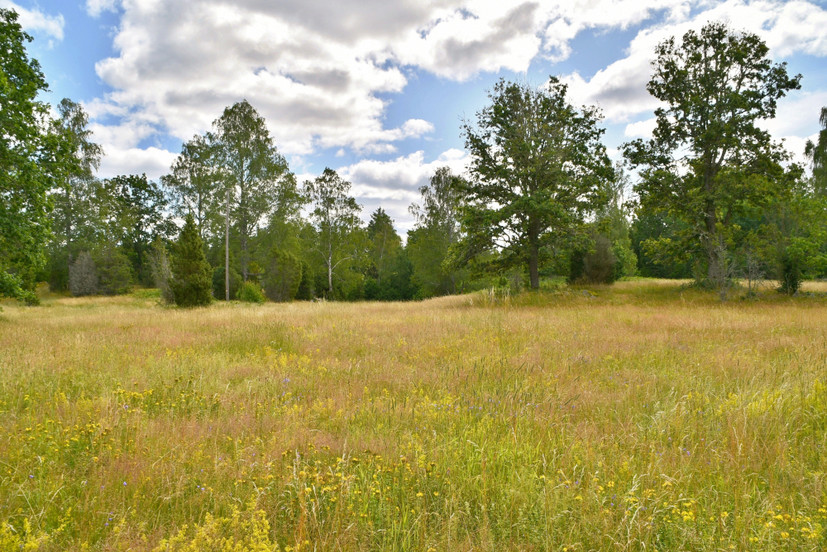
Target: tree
[
  {"x": 384, "y": 244},
  {"x": 29, "y": 156},
  {"x": 708, "y": 161},
  {"x": 817, "y": 153},
  {"x": 255, "y": 174},
  {"x": 191, "y": 283},
  {"x": 283, "y": 276},
  {"x": 537, "y": 165},
  {"x": 83, "y": 275},
  {"x": 113, "y": 269},
  {"x": 75, "y": 220},
  {"x": 134, "y": 211},
  {"x": 335, "y": 215},
  {"x": 436, "y": 230},
  {"x": 161, "y": 270},
  {"x": 193, "y": 183}
]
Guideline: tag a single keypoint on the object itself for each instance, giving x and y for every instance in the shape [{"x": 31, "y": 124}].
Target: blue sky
[{"x": 378, "y": 89}]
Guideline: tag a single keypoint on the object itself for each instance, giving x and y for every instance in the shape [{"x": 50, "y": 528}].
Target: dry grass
[{"x": 636, "y": 417}]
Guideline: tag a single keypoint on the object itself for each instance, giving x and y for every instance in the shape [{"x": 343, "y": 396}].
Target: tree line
[{"x": 714, "y": 198}]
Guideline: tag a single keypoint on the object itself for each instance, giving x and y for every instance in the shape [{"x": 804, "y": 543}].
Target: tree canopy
[
  {"x": 708, "y": 161},
  {"x": 30, "y": 155},
  {"x": 537, "y": 164}
]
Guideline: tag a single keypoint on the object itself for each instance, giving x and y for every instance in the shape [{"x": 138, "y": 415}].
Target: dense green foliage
[
  {"x": 717, "y": 200},
  {"x": 283, "y": 276},
  {"x": 537, "y": 167},
  {"x": 335, "y": 217},
  {"x": 191, "y": 282},
  {"x": 30, "y": 155},
  {"x": 250, "y": 292},
  {"x": 709, "y": 164}
]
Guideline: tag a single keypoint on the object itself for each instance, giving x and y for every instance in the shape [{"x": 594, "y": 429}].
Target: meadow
[{"x": 642, "y": 416}]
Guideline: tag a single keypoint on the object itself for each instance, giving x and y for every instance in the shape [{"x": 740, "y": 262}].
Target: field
[{"x": 644, "y": 416}]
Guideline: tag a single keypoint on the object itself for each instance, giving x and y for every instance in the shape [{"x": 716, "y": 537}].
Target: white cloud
[
  {"x": 37, "y": 21},
  {"x": 394, "y": 185},
  {"x": 641, "y": 129},
  {"x": 797, "y": 120},
  {"x": 96, "y": 7},
  {"x": 152, "y": 161},
  {"x": 620, "y": 88},
  {"x": 323, "y": 73}
]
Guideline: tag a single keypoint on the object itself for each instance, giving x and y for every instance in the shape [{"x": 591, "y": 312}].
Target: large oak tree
[
  {"x": 709, "y": 163},
  {"x": 537, "y": 164}
]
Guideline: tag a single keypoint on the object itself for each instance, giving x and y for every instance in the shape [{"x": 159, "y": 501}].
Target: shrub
[
  {"x": 190, "y": 270},
  {"x": 283, "y": 276},
  {"x": 305, "y": 292},
  {"x": 218, "y": 283},
  {"x": 597, "y": 266},
  {"x": 250, "y": 292},
  {"x": 83, "y": 276},
  {"x": 114, "y": 271},
  {"x": 791, "y": 273}
]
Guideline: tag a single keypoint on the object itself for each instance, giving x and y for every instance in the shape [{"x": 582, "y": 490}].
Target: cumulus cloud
[
  {"x": 152, "y": 161},
  {"x": 641, "y": 129},
  {"x": 394, "y": 185},
  {"x": 620, "y": 88},
  {"x": 96, "y": 7},
  {"x": 324, "y": 73},
  {"x": 36, "y": 21}
]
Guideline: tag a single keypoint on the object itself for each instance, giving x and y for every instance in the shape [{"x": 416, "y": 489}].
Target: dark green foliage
[
  {"x": 193, "y": 184},
  {"x": 653, "y": 236},
  {"x": 190, "y": 270},
  {"x": 250, "y": 292},
  {"x": 595, "y": 266},
  {"x": 437, "y": 229},
  {"x": 135, "y": 212},
  {"x": 791, "y": 273},
  {"x": 218, "y": 282},
  {"x": 256, "y": 178},
  {"x": 78, "y": 219},
  {"x": 283, "y": 276},
  {"x": 396, "y": 285},
  {"x": 114, "y": 271},
  {"x": 305, "y": 290},
  {"x": 340, "y": 238},
  {"x": 83, "y": 275}
]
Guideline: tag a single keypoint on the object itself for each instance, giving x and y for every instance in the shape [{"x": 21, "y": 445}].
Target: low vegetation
[{"x": 640, "y": 416}]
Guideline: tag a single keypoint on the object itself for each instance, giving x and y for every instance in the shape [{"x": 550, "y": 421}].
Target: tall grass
[{"x": 638, "y": 417}]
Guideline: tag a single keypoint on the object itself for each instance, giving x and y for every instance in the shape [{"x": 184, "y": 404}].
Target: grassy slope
[{"x": 636, "y": 417}]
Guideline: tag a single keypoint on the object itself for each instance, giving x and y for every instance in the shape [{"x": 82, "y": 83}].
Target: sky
[{"x": 378, "y": 89}]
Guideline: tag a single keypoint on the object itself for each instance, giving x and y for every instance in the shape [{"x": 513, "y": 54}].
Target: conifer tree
[{"x": 191, "y": 282}]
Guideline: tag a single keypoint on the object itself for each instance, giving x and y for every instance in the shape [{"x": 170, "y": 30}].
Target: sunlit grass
[{"x": 646, "y": 415}]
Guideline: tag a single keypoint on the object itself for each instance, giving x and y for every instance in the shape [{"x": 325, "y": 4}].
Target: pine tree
[{"x": 191, "y": 282}]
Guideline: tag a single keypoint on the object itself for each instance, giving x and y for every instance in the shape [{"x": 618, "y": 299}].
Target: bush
[
  {"x": 305, "y": 292},
  {"x": 218, "y": 283},
  {"x": 190, "y": 270},
  {"x": 791, "y": 273},
  {"x": 114, "y": 271},
  {"x": 250, "y": 292},
  {"x": 83, "y": 276},
  {"x": 283, "y": 276},
  {"x": 595, "y": 267}
]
